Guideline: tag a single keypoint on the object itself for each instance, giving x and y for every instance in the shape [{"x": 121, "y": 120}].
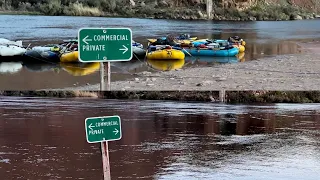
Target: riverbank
[
  {"x": 191, "y": 10},
  {"x": 284, "y": 72},
  {"x": 201, "y": 96}
]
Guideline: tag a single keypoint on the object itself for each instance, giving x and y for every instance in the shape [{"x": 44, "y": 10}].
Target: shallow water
[{"x": 45, "y": 139}]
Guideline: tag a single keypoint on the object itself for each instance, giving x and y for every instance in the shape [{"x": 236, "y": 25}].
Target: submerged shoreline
[{"x": 197, "y": 96}]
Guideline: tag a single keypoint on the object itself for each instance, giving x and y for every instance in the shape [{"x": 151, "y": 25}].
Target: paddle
[
  {"x": 186, "y": 52},
  {"x": 181, "y": 48},
  {"x": 145, "y": 57}
]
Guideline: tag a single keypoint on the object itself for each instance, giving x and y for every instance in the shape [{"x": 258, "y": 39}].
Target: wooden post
[
  {"x": 109, "y": 76},
  {"x": 102, "y": 78},
  {"x": 105, "y": 161},
  {"x": 222, "y": 95},
  {"x": 209, "y": 8},
  {"x": 104, "y": 145}
]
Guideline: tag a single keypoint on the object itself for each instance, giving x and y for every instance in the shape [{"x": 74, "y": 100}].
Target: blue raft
[
  {"x": 222, "y": 42},
  {"x": 212, "y": 52}
]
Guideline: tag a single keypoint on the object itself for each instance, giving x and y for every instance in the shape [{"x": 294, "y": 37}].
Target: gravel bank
[{"x": 285, "y": 72}]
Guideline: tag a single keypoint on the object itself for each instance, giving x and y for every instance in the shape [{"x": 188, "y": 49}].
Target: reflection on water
[
  {"x": 45, "y": 139},
  {"x": 192, "y": 61},
  {"x": 10, "y": 67},
  {"x": 166, "y": 65},
  {"x": 212, "y": 60},
  {"x": 80, "y": 69},
  {"x": 74, "y": 69}
]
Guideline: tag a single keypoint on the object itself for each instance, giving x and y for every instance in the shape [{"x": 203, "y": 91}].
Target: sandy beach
[{"x": 285, "y": 72}]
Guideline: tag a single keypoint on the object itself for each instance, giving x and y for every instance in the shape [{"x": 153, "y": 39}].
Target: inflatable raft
[
  {"x": 236, "y": 45},
  {"x": 222, "y": 42},
  {"x": 183, "y": 41},
  {"x": 164, "y": 53},
  {"x": 11, "y": 50},
  {"x": 48, "y": 56},
  {"x": 212, "y": 52},
  {"x": 69, "y": 57}
]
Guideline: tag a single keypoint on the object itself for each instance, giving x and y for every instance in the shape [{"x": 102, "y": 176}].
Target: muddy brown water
[
  {"x": 44, "y": 138},
  {"x": 263, "y": 39}
]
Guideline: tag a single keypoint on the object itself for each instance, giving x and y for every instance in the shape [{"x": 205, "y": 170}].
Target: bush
[
  {"x": 53, "y": 7},
  {"x": 25, "y": 6},
  {"x": 78, "y": 9}
]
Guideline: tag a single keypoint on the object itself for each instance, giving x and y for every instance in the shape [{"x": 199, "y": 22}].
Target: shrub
[
  {"x": 78, "y": 9},
  {"x": 53, "y": 7}
]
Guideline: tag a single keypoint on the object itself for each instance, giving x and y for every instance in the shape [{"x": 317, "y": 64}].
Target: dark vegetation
[
  {"x": 164, "y": 9},
  {"x": 273, "y": 96},
  {"x": 203, "y": 96}
]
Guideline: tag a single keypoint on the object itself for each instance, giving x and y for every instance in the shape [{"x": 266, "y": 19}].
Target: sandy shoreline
[{"x": 285, "y": 72}]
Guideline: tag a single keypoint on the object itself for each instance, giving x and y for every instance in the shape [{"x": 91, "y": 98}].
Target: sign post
[
  {"x": 103, "y": 129},
  {"x": 105, "y": 45}
]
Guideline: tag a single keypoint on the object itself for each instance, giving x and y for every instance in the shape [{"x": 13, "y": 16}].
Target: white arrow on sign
[
  {"x": 116, "y": 131},
  {"x": 90, "y": 127},
  {"x": 125, "y": 49},
  {"x": 85, "y": 39}
]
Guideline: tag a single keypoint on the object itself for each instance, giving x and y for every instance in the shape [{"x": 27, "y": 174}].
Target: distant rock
[
  {"x": 295, "y": 17},
  {"x": 200, "y": 14},
  {"x": 163, "y": 3},
  {"x": 132, "y": 3}
]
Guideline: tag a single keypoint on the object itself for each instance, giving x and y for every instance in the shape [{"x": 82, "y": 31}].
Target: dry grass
[
  {"x": 77, "y": 93},
  {"x": 78, "y": 9}
]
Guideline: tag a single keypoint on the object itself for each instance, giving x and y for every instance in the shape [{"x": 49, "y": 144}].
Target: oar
[
  {"x": 180, "y": 48},
  {"x": 145, "y": 57},
  {"x": 28, "y": 46},
  {"x": 186, "y": 52}
]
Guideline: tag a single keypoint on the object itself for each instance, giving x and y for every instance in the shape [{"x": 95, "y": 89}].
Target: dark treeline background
[{"x": 168, "y": 9}]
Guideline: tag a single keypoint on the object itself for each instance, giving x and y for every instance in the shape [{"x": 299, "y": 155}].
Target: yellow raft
[
  {"x": 80, "y": 69},
  {"x": 240, "y": 47},
  {"x": 69, "y": 57},
  {"x": 185, "y": 40},
  {"x": 166, "y": 65},
  {"x": 241, "y": 57},
  {"x": 166, "y": 54}
]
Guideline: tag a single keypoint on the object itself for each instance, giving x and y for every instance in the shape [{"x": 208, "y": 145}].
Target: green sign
[
  {"x": 99, "y": 129},
  {"x": 104, "y": 44}
]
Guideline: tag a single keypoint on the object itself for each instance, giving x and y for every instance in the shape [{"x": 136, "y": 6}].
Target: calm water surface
[
  {"x": 45, "y": 139},
  {"x": 263, "y": 39}
]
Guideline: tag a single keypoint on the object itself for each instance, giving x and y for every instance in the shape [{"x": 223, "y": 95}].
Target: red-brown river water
[{"x": 44, "y": 138}]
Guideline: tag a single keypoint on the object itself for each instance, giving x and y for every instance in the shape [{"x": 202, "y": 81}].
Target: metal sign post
[{"x": 103, "y": 129}]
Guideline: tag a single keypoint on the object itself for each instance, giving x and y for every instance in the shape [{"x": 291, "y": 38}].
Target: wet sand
[{"x": 284, "y": 72}]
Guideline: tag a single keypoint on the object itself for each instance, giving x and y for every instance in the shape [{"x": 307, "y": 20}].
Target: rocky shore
[{"x": 284, "y": 72}]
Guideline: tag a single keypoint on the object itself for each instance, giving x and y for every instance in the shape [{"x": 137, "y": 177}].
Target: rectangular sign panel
[
  {"x": 99, "y": 129},
  {"x": 104, "y": 44}
]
